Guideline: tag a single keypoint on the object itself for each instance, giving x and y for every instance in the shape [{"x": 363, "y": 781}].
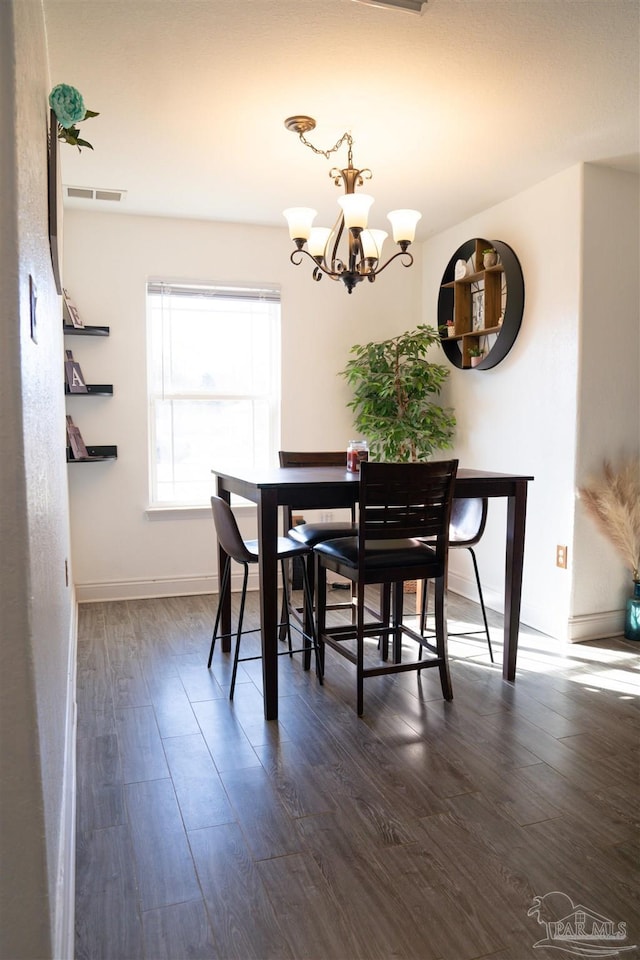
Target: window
[{"x": 214, "y": 385}]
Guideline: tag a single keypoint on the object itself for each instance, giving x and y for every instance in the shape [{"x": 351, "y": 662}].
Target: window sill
[{"x": 170, "y": 512}]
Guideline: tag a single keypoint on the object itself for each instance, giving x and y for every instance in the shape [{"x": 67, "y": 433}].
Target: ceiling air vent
[
  {"x": 95, "y": 193},
  {"x": 412, "y": 6}
]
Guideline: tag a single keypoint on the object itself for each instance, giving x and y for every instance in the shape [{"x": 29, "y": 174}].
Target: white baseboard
[
  {"x": 596, "y": 626},
  {"x": 577, "y": 630},
  {"x": 64, "y": 934},
  {"x": 169, "y": 587},
  {"x": 590, "y": 626}
]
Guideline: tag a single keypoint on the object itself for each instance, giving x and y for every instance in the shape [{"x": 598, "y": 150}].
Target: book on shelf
[{"x": 76, "y": 443}]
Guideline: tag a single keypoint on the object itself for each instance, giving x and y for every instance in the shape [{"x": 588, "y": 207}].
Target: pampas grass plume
[{"x": 612, "y": 500}]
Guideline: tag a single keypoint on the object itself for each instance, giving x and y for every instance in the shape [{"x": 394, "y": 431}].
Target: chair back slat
[{"x": 406, "y": 500}]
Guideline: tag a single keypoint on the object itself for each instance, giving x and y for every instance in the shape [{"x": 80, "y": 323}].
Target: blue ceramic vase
[{"x": 632, "y": 614}]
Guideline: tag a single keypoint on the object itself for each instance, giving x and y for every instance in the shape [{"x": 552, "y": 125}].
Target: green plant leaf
[{"x": 394, "y": 389}]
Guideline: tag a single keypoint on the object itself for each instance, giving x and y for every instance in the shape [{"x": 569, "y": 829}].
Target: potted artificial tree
[{"x": 394, "y": 391}]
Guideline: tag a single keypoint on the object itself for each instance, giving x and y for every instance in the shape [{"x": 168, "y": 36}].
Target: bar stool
[
  {"x": 313, "y": 533},
  {"x": 245, "y": 552},
  {"x": 400, "y": 506},
  {"x": 468, "y": 519}
]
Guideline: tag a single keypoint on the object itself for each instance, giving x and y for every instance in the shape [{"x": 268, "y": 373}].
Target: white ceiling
[{"x": 453, "y": 110}]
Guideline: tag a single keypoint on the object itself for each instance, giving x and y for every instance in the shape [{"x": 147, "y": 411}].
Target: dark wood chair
[
  {"x": 401, "y": 505},
  {"x": 245, "y": 552},
  {"x": 468, "y": 519},
  {"x": 315, "y": 532}
]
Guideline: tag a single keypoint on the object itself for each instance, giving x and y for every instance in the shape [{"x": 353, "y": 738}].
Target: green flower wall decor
[{"x": 68, "y": 106}]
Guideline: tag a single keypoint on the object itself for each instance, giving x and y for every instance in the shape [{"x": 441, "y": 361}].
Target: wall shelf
[
  {"x": 70, "y": 331},
  {"x": 93, "y": 390},
  {"x": 476, "y": 302},
  {"x": 95, "y": 454},
  {"x": 99, "y": 453}
]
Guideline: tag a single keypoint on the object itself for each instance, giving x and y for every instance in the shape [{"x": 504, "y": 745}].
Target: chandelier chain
[{"x": 345, "y": 138}]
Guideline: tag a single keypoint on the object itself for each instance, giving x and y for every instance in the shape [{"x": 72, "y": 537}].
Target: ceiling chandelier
[{"x": 363, "y": 257}]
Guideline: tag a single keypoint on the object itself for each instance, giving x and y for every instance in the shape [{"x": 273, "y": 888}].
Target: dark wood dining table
[{"x": 332, "y": 487}]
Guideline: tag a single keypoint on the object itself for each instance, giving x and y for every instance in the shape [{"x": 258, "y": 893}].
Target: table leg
[
  {"x": 225, "y": 613},
  {"x": 268, "y": 540},
  {"x": 516, "y": 514}
]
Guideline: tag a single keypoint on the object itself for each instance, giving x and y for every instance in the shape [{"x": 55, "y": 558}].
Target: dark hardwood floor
[{"x": 422, "y": 830}]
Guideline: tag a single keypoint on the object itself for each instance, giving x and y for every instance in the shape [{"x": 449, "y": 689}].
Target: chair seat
[
  {"x": 287, "y": 548},
  {"x": 379, "y": 553},
  {"x": 313, "y": 533}
]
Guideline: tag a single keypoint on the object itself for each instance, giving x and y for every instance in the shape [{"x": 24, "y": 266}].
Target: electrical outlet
[{"x": 561, "y": 557}]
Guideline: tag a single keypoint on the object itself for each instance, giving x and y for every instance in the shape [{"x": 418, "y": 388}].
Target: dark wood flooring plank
[
  {"x": 444, "y": 914},
  {"x": 403, "y": 786},
  {"x": 179, "y": 932},
  {"x": 553, "y": 752},
  {"x": 94, "y": 689},
  {"x": 164, "y": 866},
  {"x": 224, "y": 735},
  {"x": 99, "y": 784},
  {"x": 262, "y": 817},
  {"x": 141, "y": 750},
  {"x": 489, "y": 776},
  {"x": 495, "y": 896},
  {"x": 242, "y": 917},
  {"x": 201, "y": 797},
  {"x": 129, "y": 683},
  {"x": 248, "y": 709},
  {"x": 172, "y": 708},
  {"x": 199, "y": 683},
  {"x": 357, "y": 878},
  {"x": 300, "y": 786},
  {"x": 91, "y": 617},
  {"x": 600, "y": 873},
  {"x": 310, "y": 916},
  {"x": 603, "y": 823},
  {"x": 108, "y": 925}
]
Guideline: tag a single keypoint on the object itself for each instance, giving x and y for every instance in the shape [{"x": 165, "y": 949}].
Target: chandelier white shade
[
  {"x": 362, "y": 259},
  {"x": 300, "y": 220},
  {"x": 403, "y": 225}
]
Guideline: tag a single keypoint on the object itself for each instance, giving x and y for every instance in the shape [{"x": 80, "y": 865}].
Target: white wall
[
  {"x": 117, "y": 550},
  {"x": 528, "y": 414},
  {"x": 37, "y": 681},
  {"x": 609, "y": 384}
]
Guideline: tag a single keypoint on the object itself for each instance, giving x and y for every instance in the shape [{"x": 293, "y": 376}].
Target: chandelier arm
[
  {"x": 317, "y": 266},
  {"x": 400, "y": 253}
]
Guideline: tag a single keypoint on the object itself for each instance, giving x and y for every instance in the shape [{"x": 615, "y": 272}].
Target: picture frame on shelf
[
  {"x": 73, "y": 374},
  {"x": 54, "y": 182},
  {"x": 70, "y": 314}
]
